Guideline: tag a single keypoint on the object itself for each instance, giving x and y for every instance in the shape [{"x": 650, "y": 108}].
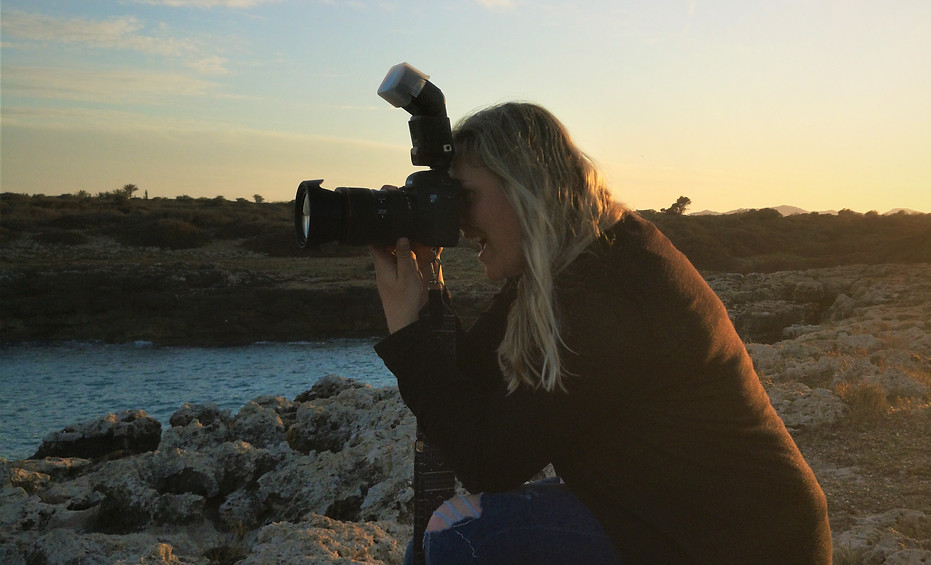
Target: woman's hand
[{"x": 402, "y": 277}]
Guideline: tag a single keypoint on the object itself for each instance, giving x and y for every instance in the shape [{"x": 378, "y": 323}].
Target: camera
[{"x": 426, "y": 209}]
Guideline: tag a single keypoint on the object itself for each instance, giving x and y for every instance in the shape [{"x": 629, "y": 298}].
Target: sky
[{"x": 819, "y": 104}]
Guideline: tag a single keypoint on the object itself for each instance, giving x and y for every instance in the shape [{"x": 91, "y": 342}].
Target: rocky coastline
[{"x": 844, "y": 353}]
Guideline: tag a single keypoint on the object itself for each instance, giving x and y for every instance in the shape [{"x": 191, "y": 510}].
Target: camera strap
[
  {"x": 434, "y": 481},
  {"x": 436, "y": 266}
]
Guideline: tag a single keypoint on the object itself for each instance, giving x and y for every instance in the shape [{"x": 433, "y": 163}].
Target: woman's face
[{"x": 490, "y": 220}]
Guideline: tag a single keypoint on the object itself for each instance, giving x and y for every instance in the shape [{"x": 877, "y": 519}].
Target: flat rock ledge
[{"x": 326, "y": 477}]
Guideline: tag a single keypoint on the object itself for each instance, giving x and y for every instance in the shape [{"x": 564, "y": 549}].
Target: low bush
[
  {"x": 867, "y": 402},
  {"x": 91, "y": 221},
  {"x": 61, "y": 237},
  {"x": 166, "y": 233}
]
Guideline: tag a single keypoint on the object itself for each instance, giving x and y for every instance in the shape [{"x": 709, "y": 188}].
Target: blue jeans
[{"x": 541, "y": 523}]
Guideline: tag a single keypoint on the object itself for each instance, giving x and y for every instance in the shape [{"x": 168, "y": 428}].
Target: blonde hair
[{"x": 563, "y": 204}]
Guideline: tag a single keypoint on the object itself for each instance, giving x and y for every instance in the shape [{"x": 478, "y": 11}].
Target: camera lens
[
  {"x": 351, "y": 216},
  {"x": 318, "y": 214}
]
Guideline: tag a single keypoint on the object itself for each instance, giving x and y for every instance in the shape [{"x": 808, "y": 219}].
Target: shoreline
[
  {"x": 47, "y": 386},
  {"x": 142, "y": 344}
]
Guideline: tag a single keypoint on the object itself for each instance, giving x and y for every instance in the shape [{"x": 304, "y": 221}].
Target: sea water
[{"x": 44, "y": 388}]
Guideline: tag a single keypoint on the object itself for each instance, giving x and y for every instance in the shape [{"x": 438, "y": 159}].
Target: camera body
[{"x": 426, "y": 209}]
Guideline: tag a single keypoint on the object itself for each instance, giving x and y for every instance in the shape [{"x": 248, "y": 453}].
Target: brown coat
[{"x": 665, "y": 432}]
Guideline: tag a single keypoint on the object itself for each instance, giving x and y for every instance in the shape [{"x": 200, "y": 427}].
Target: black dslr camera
[{"x": 426, "y": 209}]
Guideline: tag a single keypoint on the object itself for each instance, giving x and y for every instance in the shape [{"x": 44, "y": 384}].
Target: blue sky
[{"x": 817, "y": 104}]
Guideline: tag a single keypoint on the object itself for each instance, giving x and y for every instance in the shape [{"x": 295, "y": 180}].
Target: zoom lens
[{"x": 350, "y": 216}]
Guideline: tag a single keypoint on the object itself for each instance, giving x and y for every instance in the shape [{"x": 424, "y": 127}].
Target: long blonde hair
[{"x": 563, "y": 205}]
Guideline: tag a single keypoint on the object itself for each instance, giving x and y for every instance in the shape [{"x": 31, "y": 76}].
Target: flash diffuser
[{"x": 402, "y": 83}]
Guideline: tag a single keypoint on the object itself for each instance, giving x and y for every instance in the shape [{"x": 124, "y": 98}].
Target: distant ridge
[
  {"x": 786, "y": 210},
  {"x": 793, "y": 210}
]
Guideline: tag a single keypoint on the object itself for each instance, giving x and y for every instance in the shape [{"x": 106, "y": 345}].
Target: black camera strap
[{"x": 434, "y": 481}]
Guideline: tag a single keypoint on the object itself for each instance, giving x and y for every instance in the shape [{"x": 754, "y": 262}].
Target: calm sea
[{"x": 44, "y": 388}]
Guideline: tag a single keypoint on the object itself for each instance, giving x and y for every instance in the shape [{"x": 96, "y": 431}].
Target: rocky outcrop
[
  {"x": 767, "y": 308},
  {"x": 325, "y": 477},
  {"x": 887, "y": 538},
  {"x": 125, "y": 433}
]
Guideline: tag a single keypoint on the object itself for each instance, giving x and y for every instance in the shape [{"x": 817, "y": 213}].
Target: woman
[{"x": 606, "y": 354}]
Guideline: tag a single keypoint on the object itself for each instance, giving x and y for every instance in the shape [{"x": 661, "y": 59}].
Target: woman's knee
[{"x": 455, "y": 510}]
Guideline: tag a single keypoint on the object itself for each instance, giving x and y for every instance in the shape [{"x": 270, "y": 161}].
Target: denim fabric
[{"x": 540, "y": 523}]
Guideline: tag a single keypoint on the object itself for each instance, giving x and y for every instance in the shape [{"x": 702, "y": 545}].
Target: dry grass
[{"x": 867, "y": 402}]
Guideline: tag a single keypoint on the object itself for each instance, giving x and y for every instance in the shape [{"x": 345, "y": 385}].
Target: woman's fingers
[
  {"x": 394, "y": 262},
  {"x": 400, "y": 284},
  {"x": 385, "y": 264},
  {"x": 406, "y": 261}
]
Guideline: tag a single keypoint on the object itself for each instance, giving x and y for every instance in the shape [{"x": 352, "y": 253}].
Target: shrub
[
  {"x": 241, "y": 230},
  {"x": 61, "y": 237},
  {"x": 92, "y": 221},
  {"x": 6, "y": 235},
  {"x": 275, "y": 244},
  {"x": 867, "y": 402},
  {"x": 166, "y": 233}
]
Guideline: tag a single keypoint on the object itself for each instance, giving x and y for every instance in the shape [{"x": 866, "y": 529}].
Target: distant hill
[
  {"x": 786, "y": 210},
  {"x": 790, "y": 210}
]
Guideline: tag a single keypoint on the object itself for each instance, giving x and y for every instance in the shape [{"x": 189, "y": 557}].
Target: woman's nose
[{"x": 464, "y": 216}]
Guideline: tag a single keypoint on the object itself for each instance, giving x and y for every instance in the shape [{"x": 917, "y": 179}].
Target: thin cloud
[
  {"x": 42, "y": 27},
  {"x": 497, "y": 4},
  {"x": 90, "y": 119},
  {"x": 113, "y": 33},
  {"x": 122, "y": 33},
  {"x": 112, "y": 86},
  {"x": 207, "y": 3},
  {"x": 213, "y": 65}
]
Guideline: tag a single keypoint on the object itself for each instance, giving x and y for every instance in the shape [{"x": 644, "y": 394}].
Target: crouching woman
[{"x": 607, "y": 355}]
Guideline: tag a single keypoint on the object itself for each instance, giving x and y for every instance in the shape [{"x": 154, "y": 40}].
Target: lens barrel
[
  {"x": 426, "y": 209},
  {"x": 350, "y": 216}
]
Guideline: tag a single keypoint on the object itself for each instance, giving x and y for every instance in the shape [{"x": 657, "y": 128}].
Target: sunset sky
[{"x": 735, "y": 104}]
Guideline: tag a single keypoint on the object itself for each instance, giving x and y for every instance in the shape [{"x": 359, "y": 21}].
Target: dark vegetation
[
  {"x": 754, "y": 241},
  {"x": 181, "y": 223},
  {"x": 172, "y": 271},
  {"x": 764, "y": 241},
  {"x": 212, "y": 271}
]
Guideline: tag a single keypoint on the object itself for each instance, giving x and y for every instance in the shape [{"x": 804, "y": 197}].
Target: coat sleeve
[{"x": 493, "y": 440}]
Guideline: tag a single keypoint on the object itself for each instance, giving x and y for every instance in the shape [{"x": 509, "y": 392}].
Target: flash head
[
  {"x": 406, "y": 87},
  {"x": 402, "y": 83}
]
